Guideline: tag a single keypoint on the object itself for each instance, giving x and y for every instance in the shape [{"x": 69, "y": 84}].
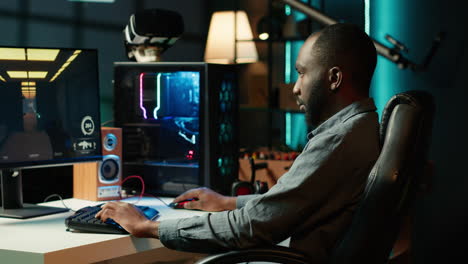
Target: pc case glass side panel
[
  {"x": 172, "y": 100},
  {"x": 162, "y": 138},
  {"x": 169, "y": 94}
]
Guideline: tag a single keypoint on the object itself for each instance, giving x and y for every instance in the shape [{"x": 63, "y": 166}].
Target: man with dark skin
[{"x": 314, "y": 201}]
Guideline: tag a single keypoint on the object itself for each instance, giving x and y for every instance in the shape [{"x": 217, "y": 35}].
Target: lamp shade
[{"x": 221, "y": 45}]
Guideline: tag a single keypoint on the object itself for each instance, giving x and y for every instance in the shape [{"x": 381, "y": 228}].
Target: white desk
[{"x": 45, "y": 240}]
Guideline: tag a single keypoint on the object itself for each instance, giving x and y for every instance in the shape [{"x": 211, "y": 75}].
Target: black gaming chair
[{"x": 405, "y": 133}]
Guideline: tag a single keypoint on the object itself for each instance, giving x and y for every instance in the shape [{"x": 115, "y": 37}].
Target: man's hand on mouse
[
  {"x": 207, "y": 200},
  {"x": 130, "y": 218}
]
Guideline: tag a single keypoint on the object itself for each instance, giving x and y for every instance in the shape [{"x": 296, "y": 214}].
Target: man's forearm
[
  {"x": 230, "y": 203},
  {"x": 151, "y": 229}
]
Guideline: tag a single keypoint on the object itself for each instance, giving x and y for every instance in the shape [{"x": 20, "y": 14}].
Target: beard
[{"x": 314, "y": 107}]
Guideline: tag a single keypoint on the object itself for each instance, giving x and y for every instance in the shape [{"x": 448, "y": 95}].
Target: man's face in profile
[{"x": 310, "y": 86}]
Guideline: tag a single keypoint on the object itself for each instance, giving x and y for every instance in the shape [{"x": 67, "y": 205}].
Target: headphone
[{"x": 252, "y": 187}]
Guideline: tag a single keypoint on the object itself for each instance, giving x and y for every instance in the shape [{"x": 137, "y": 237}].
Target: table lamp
[{"x": 230, "y": 39}]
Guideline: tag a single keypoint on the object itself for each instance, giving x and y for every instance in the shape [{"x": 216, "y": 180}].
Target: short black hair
[{"x": 347, "y": 46}]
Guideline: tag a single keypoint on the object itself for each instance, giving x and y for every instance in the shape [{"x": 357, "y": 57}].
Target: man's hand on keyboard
[{"x": 130, "y": 218}]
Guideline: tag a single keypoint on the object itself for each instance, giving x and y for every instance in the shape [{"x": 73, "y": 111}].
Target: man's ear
[{"x": 335, "y": 77}]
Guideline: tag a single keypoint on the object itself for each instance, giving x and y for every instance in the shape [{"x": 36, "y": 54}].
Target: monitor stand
[{"x": 12, "y": 198}]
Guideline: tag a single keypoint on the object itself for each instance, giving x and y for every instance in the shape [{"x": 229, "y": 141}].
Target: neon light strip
[
  {"x": 287, "y": 52},
  {"x": 158, "y": 97},
  {"x": 287, "y": 59},
  {"x": 288, "y": 128},
  {"x": 367, "y": 16},
  {"x": 141, "y": 96},
  {"x": 287, "y": 10}
]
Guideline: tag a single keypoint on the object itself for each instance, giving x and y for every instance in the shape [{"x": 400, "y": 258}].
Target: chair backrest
[{"x": 405, "y": 132}]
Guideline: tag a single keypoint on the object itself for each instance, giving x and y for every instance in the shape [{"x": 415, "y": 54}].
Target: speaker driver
[
  {"x": 110, "y": 142},
  {"x": 110, "y": 169}
]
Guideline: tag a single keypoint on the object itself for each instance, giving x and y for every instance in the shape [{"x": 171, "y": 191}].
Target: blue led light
[
  {"x": 287, "y": 10},
  {"x": 385, "y": 82},
  {"x": 367, "y": 16},
  {"x": 287, "y": 59},
  {"x": 288, "y": 128}
]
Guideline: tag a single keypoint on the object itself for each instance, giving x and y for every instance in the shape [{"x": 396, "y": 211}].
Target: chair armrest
[{"x": 277, "y": 254}]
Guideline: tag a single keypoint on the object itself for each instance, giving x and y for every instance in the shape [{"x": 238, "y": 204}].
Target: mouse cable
[{"x": 142, "y": 193}]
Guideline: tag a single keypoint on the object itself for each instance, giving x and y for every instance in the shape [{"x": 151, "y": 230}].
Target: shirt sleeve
[
  {"x": 269, "y": 218},
  {"x": 243, "y": 199}
]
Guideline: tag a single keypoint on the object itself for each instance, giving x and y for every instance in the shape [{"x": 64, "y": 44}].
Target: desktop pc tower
[{"x": 179, "y": 124}]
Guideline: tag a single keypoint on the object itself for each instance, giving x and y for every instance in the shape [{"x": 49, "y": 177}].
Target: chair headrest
[{"x": 417, "y": 98}]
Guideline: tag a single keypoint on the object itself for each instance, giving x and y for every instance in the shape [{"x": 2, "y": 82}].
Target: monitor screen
[
  {"x": 49, "y": 106},
  {"x": 49, "y": 109}
]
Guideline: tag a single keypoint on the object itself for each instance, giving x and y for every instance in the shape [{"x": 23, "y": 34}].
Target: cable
[
  {"x": 150, "y": 195},
  {"x": 60, "y": 197},
  {"x": 142, "y": 193},
  {"x": 142, "y": 186}
]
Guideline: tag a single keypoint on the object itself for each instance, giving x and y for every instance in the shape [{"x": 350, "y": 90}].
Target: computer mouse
[{"x": 180, "y": 205}]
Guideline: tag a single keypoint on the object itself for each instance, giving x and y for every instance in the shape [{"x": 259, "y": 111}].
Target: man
[{"x": 314, "y": 201}]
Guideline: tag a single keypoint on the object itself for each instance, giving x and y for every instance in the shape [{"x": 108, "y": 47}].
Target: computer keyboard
[{"x": 83, "y": 220}]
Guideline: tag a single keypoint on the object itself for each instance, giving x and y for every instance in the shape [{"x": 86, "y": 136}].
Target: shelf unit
[{"x": 279, "y": 99}]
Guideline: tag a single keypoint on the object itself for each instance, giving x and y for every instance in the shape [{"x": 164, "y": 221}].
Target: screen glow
[
  {"x": 28, "y": 54},
  {"x": 42, "y": 54},
  {"x": 65, "y": 65},
  {"x": 12, "y": 54},
  {"x": 27, "y": 74}
]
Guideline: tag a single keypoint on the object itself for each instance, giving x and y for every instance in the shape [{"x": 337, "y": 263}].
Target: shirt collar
[{"x": 365, "y": 105}]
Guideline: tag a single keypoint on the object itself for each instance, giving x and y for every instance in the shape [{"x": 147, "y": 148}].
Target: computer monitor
[{"x": 49, "y": 116}]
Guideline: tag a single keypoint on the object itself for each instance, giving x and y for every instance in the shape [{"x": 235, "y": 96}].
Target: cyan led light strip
[
  {"x": 384, "y": 19},
  {"x": 158, "y": 96},
  {"x": 367, "y": 16},
  {"x": 288, "y": 128},
  {"x": 287, "y": 10},
  {"x": 287, "y": 52},
  {"x": 287, "y": 59}
]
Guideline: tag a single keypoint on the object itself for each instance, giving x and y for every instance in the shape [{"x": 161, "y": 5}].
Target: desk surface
[{"x": 45, "y": 239}]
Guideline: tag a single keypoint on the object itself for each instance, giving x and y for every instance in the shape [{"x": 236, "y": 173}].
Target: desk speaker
[{"x": 100, "y": 181}]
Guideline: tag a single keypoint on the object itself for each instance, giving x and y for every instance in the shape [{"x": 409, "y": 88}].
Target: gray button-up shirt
[{"x": 312, "y": 203}]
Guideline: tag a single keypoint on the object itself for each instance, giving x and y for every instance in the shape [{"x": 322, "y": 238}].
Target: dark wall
[
  {"x": 441, "y": 219},
  {"x": 442, "y": 214}
]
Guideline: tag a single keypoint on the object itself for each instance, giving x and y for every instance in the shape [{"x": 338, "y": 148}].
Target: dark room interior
[{"x": 441, "y": 211}]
